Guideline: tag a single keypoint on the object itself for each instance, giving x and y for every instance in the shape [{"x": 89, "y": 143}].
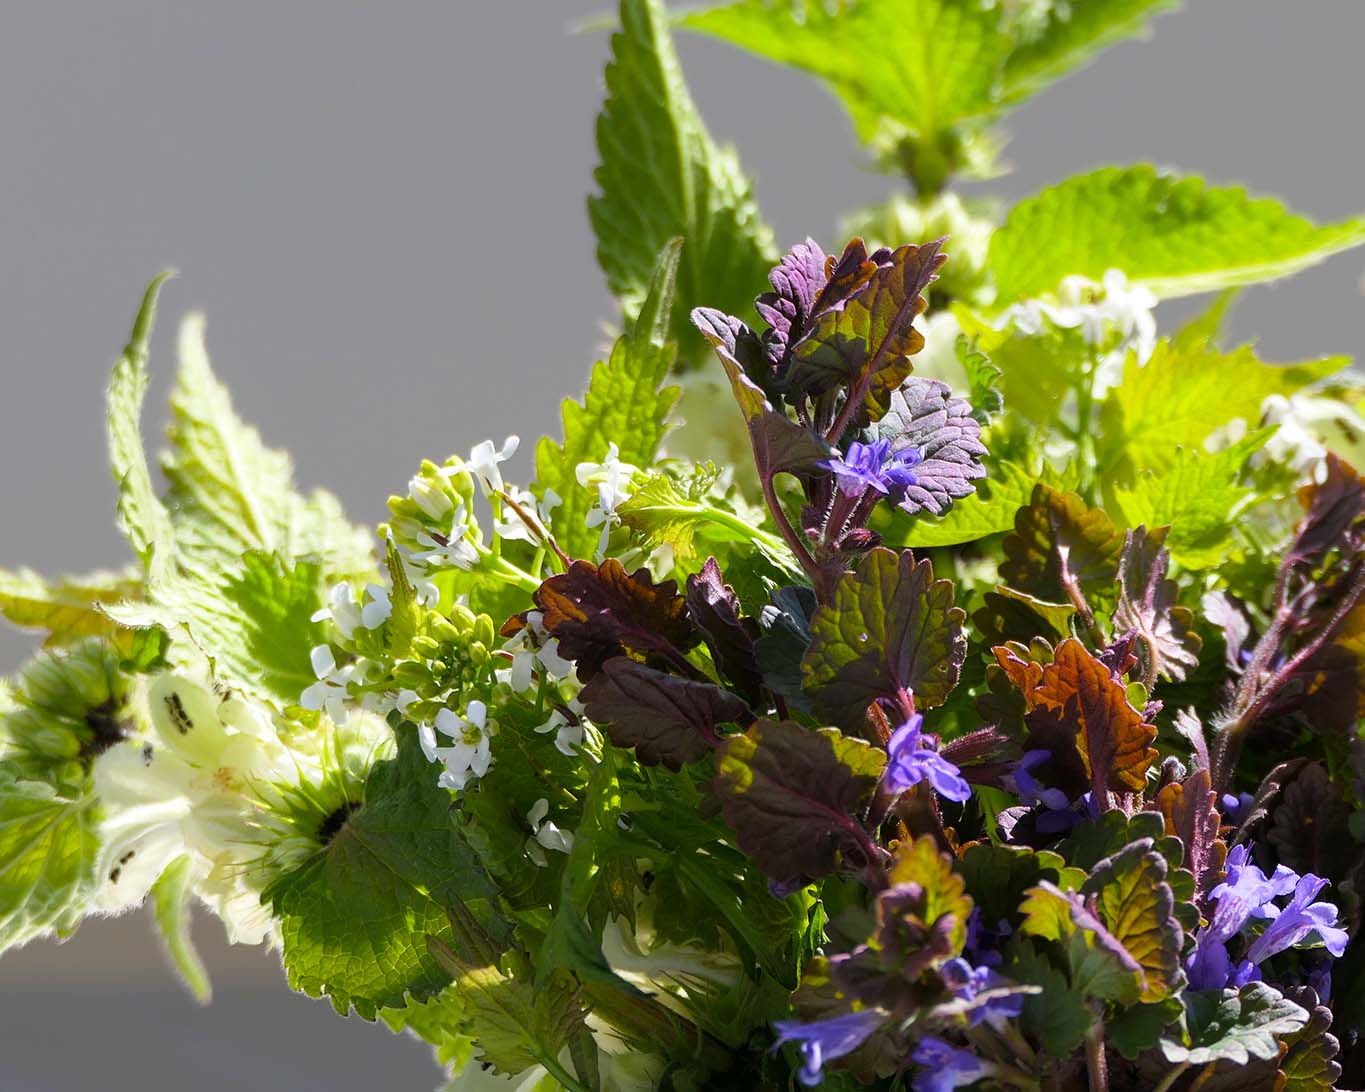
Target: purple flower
[
  {"x": 943, "y": 1067},
  {"x": 1236, "y": 808},
  {"x": 908, "y": 764},
  {"x": 1027, "y": 787},
  {"x": 967, "y": 982},
  {"x": 1301, "y": 917},
  {"x": 873, "y": 466},
  {"x": 825, "y": 1040},
  {"x": 1246, "y": 892},
  {"x": 983, "y": 943}
]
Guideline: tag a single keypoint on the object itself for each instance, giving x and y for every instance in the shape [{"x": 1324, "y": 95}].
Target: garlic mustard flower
[
  {"x": 330, "y": 691},
  {"x": 457, "y": 551},
  {"x": 513, "y": 527},
  {"x": 612, "y": 478},
  {"x": 484, "y": 462},
  {"x": 544, "y": 834},
  {"x": 469, "y": 756},
  {"x": 568, "y": 732}
]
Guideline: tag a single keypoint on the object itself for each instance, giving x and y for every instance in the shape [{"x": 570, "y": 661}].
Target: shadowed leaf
[
  {"x": 1190, "y": 809},
  {"x": 1147, "y": 604}
]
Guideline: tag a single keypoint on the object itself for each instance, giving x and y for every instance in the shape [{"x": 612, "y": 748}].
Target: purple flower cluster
[
  {"x": 909, "y": 763},
  {"x": 943, "y": 1067},
  {"x": 874, "y": 466},
  {"x": 825, "y": 1040},
  {"x": 1247, "y": 893},
  {"x": 967, "y": 983}
]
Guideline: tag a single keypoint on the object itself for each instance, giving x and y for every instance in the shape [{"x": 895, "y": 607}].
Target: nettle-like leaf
[
  {"x": 997, "y": 877},
  {"x": 1080, "y": 713},
  {"x": 1059, "y": 1016},
  {"x": 355, "y": 916},
  {"x": 662, "y": 176},
  {"x": 1190, "y": 809},
  {"x": 714, "y": 609},
  {"x": 66, "y": 609},
  {"x": 598, "y": 612},
  {"x": 1148, "y": 605},
  {"x": 890, "y": 627},
  {"x": 1305, "y": 823},
  {"x": 1183, "y": 394},
  {"x": 1199, "y": 496},
  {"x": 230, "y": 494},
  {"x": 1137, "y": 905},
  {"x": 865, "y": 346},
  {"x": 1223, "y": 1026},
  {"x": 1008, "y": 615},
  {"x": 49, "y": 842},
  {"x": 1060, "y": 546},
  {"x": 786, "y": 624},
  {"x": 1100, "y": 966},
  {"x": 626, "y": 403},
  {"x": 792, "y": 796},
  {"x": 1174, "y": 236},
  {"x": 664, "y": 718},
  {"x": 923, "y": 414}
]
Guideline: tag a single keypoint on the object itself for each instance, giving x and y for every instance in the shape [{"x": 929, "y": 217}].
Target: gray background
[{"x": 381, "y": 209}]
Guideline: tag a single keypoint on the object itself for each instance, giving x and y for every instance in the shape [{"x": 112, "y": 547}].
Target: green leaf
[
  {"x": 1100, "y": 965},
  {"x": 662, "y": 176},
  {"x": 66, "y": 608},
  {"x": 1181, "y": 395},
  {"x": 791, "y": 794},
  {"x": 1072, "y": 34},
  {"x": 230, "y": 494},
  {"x": 1198, "y": 496},
  {"x": 1136, "y": 903},
  {"x": 171, "y": 897},
  {"x": 440, "y": 1021},
  {"x": 1059, "y": 544},
  {"x": 1059, "y": 1016},
  {"x": 998, "y": 876},
  {"x": 1223, "y": 1026},
  {"x": 625, "y": 403},
  {"x": 890, "y": 627},
  {"x": 1139, "y": 1028},
  {"x": 354, "y": 918},
  {"x": 48, "y": 846},
  {"x": 1175, "y": 236},
  {"x": 141, "y": 515},
  {"x": 919, "y": 861},
  {"x": 923, "y": 66}
]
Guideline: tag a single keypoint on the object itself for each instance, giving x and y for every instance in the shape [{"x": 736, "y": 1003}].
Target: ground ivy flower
[
  {"x": 1027, "y": 787},
  {"x": 967, "y": 983},
  {"x": 1297, "y": 920},
  {"x": 909, "y": 763},
  {"x": 544, "y": 834},
  {"x": 943, "y": 1067},
  {"x": 331, "y": 690},
  {"x": 873, "y": 466},
  {"x": 484, "y": 462},
  {"x": 469, "y": 756},
  {"x": 825, "y": 1040}
]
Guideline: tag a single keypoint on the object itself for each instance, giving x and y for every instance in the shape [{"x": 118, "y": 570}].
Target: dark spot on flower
[
  {"x": 331, "y": 826},
  {"x": 105, "y": 730},
  {"x": 147, "y": 752},
  {"x": 117, "y": 870},
  {"x": 176, "y": 708}
]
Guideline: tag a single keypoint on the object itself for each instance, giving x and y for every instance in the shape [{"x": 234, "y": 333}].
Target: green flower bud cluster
[
  {"x": 440, "y": 499},
  {"x": 450, "y": 655}
]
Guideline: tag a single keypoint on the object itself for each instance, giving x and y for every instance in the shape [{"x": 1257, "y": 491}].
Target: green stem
[
  {"x": 511, "y": 573},
  {"x": 1085, "y": 437},
  {"x": 559, "y": 1073},
  {"x": 1168, "y": 1081}
]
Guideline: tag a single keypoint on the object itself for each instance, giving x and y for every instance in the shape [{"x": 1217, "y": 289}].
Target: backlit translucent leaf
[
  {"x": 1059, "y": 544},
  {"x": 1172, "y": 235},
  {"x": 67, "y": 608},
  {"x": 1137, "y": 905}
]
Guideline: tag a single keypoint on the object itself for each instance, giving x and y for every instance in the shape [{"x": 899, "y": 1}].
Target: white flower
[
  {"x": 329, "y": 693},
  {"x": 342, "y": 609},
  {"x": 376, "y": 612},
  {"x": 1304, "y": 419},
  {"x": 568, "y": 732},
  {"x": 1103, "y": 312},
  {"x": 457, "y": 550},
  {"x": 533, "y": 647},
  {"x": 612, "y": 478},
  {"x": 484, "y": 460},
  {"x": 514, "y": 527},
  {"x": 544, "y": 834},
  {"x": 469, "y": 756},
  {"x": 429, "y": 496}
]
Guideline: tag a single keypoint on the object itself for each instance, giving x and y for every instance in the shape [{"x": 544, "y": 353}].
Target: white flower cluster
[{"x": 612, "y": 478}]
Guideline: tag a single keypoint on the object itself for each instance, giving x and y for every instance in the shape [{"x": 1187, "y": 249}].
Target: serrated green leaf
[
  {"x": 441, "y": 1021},
  {"x": 1100, "y": 966},
  {"x": 1182, "y": 395},
  {"x": 998, "y": 876},
  {"x": 1198, "y": 496},
  {"x": 354, "y": 918},
  {"x": 66, "y": 608},
  {"x": 1174, "y": 236},
  {"x": 230, "y": 494},
  {"x": 48, "y": 847},
  {"x": 1059, "y": 1016},
  {"x": 141, "y": 515},
  {"x": 625, "y": 403},
  {"x": 662, "y": 176},
  {"x": 1223, "y": 1026},
  {"x": 1070, "y": 37},
  {"x": 171, "y": 897},
  {"x": 1136, "y": 903},
  {"x": 943, "y": 891},
  {"x": 1139, "y": 1028},
  {"x": 924, "y": 66},
  {"x": 890, "y": 627}
]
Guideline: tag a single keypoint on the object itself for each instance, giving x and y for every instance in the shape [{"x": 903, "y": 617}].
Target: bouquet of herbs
[{"x": 967, "y": 695}]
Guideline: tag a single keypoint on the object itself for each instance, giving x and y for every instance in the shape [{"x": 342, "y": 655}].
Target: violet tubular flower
[
  {"x": 943, "y": 1067},
  {"x": 967, "y": 982},
  {"x": 1296, "y": 921},
  {"x": 873, "y": 466},
  {"x": 908, "y": 763},
  {"x": 825, "y": 1040},
  {"x": 1028, "y": 788}
]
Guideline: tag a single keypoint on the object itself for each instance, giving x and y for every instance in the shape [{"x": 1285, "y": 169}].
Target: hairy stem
[{"x": 1095, "y": 1064}]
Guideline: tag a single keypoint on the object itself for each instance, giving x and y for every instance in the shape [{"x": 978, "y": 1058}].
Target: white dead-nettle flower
[
  {"x": 469, "y": 756},
  {"x": 1304, "y": 420},
  {"x": 544, "y": 834}
]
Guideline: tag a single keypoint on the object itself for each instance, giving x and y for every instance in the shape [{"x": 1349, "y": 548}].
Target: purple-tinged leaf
[
  {"x": 797, "y": 281},
  {"x": 890, "y": 627},
  {"x": 1309, "y": 1064},
  {"x": 1101, "y": 966},
  {"x": 1333, "y": 514},
  {"x": 1226, "y": 615},
  {"x": 1147, "y": 605},
  {"x": 786, "y": 624},
  {"x": 666, "y": 719},
  {"x": 1009, "y": 615},
  {"x": 1305, "y": 824},
  {"x": 924, "y": 415},
  {"x": 597, "y": 613},
  {"x": 714, "y": 608},
  {"x": 1190, "y": 810},
  {"x": 1131, "y": 896},
  {"x": 1060, "y": 546},
  {"x": 793, "y": 797}
]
